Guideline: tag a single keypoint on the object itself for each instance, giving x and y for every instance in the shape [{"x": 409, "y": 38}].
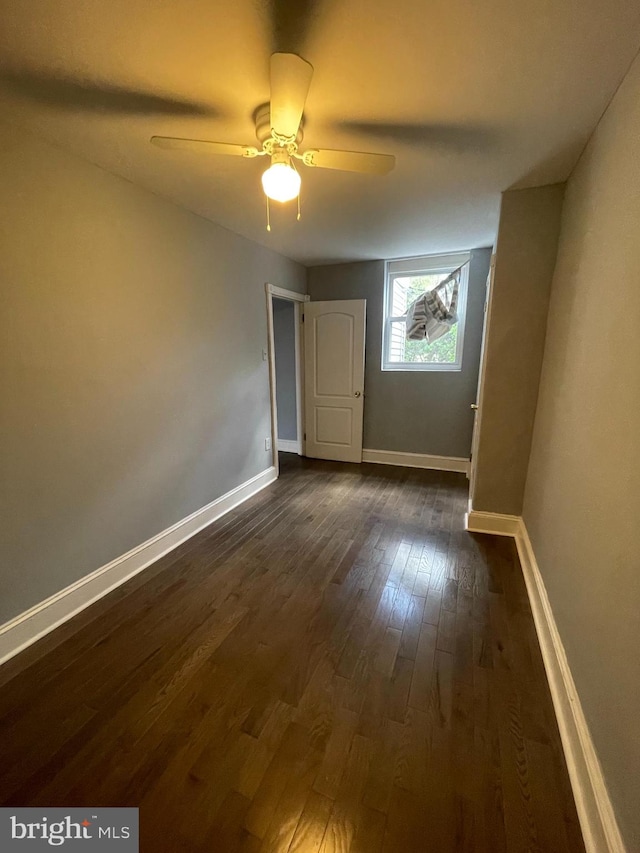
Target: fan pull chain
[
  {"x": 268, "y": 217},
  {"x": 293, "y": 166}
]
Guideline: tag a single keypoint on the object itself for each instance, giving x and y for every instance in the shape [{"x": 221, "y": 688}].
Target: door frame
[
  {"x": 298, "y": 299},
  {"x": 477, "y": 419}
]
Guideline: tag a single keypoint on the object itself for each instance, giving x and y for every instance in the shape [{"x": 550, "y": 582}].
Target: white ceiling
[{"x": 480, "y": 97}]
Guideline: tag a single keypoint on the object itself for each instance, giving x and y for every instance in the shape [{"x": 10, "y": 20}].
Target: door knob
[
  {"x": 474, "y": 407},
  {"x": 357, "y": 394}
]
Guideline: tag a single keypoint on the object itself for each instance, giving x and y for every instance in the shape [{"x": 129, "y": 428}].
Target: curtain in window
[{"x": 434, "y": 313}]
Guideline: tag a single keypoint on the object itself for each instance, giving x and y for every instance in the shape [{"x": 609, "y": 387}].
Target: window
[{"x": 405, "y": 281}]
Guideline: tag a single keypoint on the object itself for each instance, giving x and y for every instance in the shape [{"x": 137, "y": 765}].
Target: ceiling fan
[{"x": 279, "y": 129}]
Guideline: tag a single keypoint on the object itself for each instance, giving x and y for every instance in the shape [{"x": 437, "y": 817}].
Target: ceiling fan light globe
[{"x": 281, "y": 182}]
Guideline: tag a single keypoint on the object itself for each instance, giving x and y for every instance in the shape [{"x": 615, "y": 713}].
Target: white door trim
[
  {"x": 281, "y": 293},
  {"x": 477, "y": 419},
  {"x": 298, "y": 299}
]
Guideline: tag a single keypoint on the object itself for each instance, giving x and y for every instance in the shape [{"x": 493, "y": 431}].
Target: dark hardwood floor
[{"x": 334, "y": 666}]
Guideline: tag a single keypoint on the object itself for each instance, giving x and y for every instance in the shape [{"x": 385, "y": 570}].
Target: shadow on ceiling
[
  {"x": 67, "y": 93},
  {"x": 449, "y": 137},
  {"x": 291, "y": 22},
  {"x": 555, "y": 168}
]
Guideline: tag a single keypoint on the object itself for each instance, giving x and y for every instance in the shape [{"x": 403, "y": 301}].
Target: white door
[
  {"x": 477, "y": 406},
  {"x": 334, "y": 379}
]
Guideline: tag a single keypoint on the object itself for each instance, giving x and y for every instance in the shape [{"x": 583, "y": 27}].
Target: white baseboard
[
  {"x": 597, "y": 818},
  {"x": 476, "y": 521},
  {"x": 287, "y": 446},
  {"x": 39, "y": 620},
  {"x": 416, "y": 460}
]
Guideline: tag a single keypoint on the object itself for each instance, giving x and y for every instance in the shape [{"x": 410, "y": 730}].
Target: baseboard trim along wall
[
  {"x": 595, "y": 811},
  {"x": 285, "y": 445},
  {"x": 476, "y": 521},
  {"x": 35, "y": 623},
  {"x": 417, "y": 460},
  {"x": 597, "y": 818}
]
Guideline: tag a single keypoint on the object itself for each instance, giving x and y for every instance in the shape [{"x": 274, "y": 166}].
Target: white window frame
[{"x": 424, "y": 265}]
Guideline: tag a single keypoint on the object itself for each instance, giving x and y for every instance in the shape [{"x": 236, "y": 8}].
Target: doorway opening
[{"x": 286, "y": 374}]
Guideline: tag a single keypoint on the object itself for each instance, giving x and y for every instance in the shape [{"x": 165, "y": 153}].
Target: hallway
[{"x": 333, "y": 666}]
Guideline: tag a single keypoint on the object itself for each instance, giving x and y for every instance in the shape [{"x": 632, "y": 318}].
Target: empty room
[{"x": 320, "y": 382}]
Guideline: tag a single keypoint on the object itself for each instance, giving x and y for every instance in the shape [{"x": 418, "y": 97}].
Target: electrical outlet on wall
[{"x": 267, "y": 444}]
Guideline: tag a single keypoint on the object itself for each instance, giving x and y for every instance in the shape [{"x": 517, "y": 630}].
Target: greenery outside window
[{"x": 405, "y": 281}]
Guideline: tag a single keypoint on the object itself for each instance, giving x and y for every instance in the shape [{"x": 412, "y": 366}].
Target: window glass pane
[
  {"x": 406, "y": 289},
  {"x": 407, "y": 280},
  {"x": 442, "y": 351},
  {"x": 397, "y": 342},
  {"x": 399, "y": 301}
]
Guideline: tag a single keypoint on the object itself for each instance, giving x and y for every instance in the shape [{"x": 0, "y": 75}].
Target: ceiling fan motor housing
[
  {"x": 279, "y": 128},
  {"x": 262, "y": 117}
]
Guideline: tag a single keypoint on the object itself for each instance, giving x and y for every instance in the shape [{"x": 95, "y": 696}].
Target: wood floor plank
[
  {"x": 336, "y": 665},
  {"x": 312, "y": 824},
  {"x": 369, "y": 836},
  {"x": 411, "y": 628},
  {"x": 343, "y": 823},
  {"x": 423, "y": 669},
  {"x": 489, "y": 828}
]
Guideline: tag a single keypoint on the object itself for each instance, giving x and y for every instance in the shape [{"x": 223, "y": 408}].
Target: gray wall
[
  {"x": 411, "y": 412},
  {"x": 284, "y": 334},
  {"x": 582, "y": 499},
  {"x": 525, "y": 259},
  {"x": 131, "y": 375}
]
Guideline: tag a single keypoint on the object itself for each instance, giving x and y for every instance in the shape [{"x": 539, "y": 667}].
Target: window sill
[{"x": 421, "y": 368}]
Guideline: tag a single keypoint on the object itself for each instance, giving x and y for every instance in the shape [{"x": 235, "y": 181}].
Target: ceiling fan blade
[
  {"x": 350, "y": 161},
  {"x": 204, "y": 147},
  {"x": 290, "y": 80}
]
